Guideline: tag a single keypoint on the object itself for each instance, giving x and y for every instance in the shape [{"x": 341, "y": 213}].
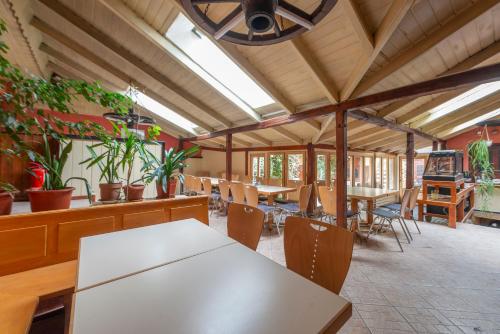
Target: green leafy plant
[
  {"x": 132, "y": 148},
  {"x": 33, "y": 106},
  {"x": 480, "y": 159},
  {"x": 7, "y": 187},
  {"x": 169, "y": 170}
]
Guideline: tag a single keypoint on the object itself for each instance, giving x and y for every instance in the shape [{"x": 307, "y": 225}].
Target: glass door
[
  {"x": 276, "y": 168},
  {"x": 258, "y": 164}
]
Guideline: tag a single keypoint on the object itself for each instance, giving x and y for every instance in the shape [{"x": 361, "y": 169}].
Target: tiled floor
[{"x": 446, "y": 281}]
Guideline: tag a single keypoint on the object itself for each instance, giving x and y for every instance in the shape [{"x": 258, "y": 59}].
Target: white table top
[
  {"x": 366, "y": 192},
  {"x": 110, "y": 256},
  {"x": 228, "y": 290},
  {"x": 262, "y": 188}
]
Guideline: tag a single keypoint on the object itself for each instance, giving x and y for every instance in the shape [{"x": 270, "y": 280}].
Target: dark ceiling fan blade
[
  {"x": 294, "y": 14},
  {"x": 229, "y": 22}
]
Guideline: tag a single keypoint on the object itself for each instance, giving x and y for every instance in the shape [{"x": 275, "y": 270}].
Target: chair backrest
[
  {"x": 318, "y": 251},
  {"x": 316, "y": 191},
  {"x": 328, "y": 200},
  {"x": 405, "y": 201},
  {"x": 304, "y": 195},
  {"x": 196, "y": 186},
  {"x": 223, "y": 175},
  {"x": 244, "y": 224},
  {"x": 247, "y": 179},
  {"x": 235, "y": 177},
  {"x": 224, "y": 189},
  {"x": 294, "y": 184},
  {"x": 260, "y": 180},
  {"x": 188, "y": 183},
  {"x": 238, "y": 192},
  {"x": 251, "y": 195},
  {"x": 413, "y": 198},
  {"x": 207, "y": 186}
]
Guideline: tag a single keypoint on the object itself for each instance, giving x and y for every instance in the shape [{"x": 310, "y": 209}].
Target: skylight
[
  {"x": 460, "y": 101},
  {"x": 205, "y": 58},
  {"x": 476, "y": 120},
  {"x": 164, "y": 112}
]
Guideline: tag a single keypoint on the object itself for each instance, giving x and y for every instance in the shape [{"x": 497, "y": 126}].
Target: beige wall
[{"x": 214, "y": 162}]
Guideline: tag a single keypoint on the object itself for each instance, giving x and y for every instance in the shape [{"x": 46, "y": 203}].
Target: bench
[{"x": 22, "y": 293}]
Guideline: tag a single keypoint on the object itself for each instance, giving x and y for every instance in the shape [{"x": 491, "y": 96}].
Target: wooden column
[
  {"x": 311, "y": 172},
  {"x": 410, "y": 151},
  {"x": 181, "y": 170},
  {"x": 443, "y": 145},
  {"x": 341, "y": 162},
  {"x": 246, "y": 162},
  {"x": 435, "y": 146},
  {"x": 229, "y": 156}
]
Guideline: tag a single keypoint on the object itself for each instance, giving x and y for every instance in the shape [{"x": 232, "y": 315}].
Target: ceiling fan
[
  {"x": 131, "y": 119},
  {"x": 260, "y": 17}
]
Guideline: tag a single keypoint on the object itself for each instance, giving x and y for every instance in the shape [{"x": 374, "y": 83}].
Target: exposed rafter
[
  {"x": 85, "y": 26},
  {"x": 352, "y": 12},
  {"x": 395, "y": 14},
  {"x": 474, "y": 11},
  {"x": 257, "y": 138},
  {"x": 289, "y": 135}
]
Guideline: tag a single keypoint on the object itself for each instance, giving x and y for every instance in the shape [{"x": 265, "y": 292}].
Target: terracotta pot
[
  {"x": 134, "y": 192},
  {"x": 6, "y": 200},
  {"x": 46, "y": 200},
  {"x": 172, "y": 185},
  {"x": 110, "y": 191}
]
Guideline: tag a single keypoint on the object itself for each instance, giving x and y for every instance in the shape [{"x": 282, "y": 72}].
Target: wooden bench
[{"x": 21, "y": 293}]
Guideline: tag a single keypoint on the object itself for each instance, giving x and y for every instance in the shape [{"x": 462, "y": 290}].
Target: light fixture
[
  {"x": 259, "y": 18},
  {"x": 132, "y": 119}
]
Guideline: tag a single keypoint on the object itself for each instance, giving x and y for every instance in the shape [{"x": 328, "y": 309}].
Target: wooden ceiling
[{"x": 361, "y": 47}]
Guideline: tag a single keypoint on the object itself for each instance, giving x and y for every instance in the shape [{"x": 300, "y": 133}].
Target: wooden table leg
[
  {"x": 354, "y": 208},
  {"x": 270, "y": 199},
  {"x": 460, "y": 211},
  {"x": 452, "y": 216},
  {"x": 369, "y": 210},
  {"x": 420, "y": 212}
]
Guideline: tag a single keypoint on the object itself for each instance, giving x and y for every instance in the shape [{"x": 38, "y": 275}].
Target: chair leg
[
  {"x": 407, "y": 229},
  {"x": 396, "y": 236},
  {"x": 416, "y": 225},
  {"x": 404, "y": 230}
]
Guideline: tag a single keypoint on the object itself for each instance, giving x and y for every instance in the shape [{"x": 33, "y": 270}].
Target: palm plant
[
  {"x": 7, "y": 188},
  {"x": 480, "y": 159},
  {"x": 169, "y": 170}
]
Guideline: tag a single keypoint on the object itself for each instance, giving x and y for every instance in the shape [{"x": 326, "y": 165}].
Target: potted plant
[
  {"x": 35, "y": 107},
  {"x": 6, "y": 198},
  {"x": 482, "y": 170},
  {"x": 167, "y": 173},
  {"x": 131, "y": 148}
]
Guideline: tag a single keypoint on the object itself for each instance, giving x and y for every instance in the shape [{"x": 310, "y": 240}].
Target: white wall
[
  {"x": 214, "y": 162},
  {"x": 74, "y": 169}
]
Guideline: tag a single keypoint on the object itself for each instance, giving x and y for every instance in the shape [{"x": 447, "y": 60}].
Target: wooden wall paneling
[{"x": 44, "y": 238}]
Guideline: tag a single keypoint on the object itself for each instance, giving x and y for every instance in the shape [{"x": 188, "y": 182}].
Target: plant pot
[
  {"x": 110, "y": 191},
  {"x": 6, "y": 200},
  {"x": 171, "y": 186},
  {"x": 134, "y": 192},
  {"x": 46, "y": 200}
]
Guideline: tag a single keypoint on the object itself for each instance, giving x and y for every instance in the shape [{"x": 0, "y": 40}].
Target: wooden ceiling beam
[
  {"x": 367, "y": 136},
  {"x": 258, "y": 138},
  {"x": 385, "y": 143},
  {"x": 471, "y": 13},
  {"x": 106, "y": 66},
  {"x": 390, "y": 22},
  {"x": 289, "y": 135},
  {"x": 115, "y": 46},
  {"x": 241, "y": 141},
  {"x": 353, "y": 127},
  {"x": 365, "y": 37},
  {"x": 454, "y": 81},
  {"x": 313, "y": 124}
]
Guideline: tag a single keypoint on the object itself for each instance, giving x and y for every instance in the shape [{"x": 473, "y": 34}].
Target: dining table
[
  {"x": 370, "y": 195},
  {"x": 184, "y": 277},
  {"x": 265, "y": 190}
]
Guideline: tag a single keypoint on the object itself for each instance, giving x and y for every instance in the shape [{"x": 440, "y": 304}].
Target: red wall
[{"x": 461, "y": 141}]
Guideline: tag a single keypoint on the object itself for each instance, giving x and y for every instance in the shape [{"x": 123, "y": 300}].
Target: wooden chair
[
  {"x": 188, "y": 184},
  {"x": 244, "y": 224},
  {"x": 294, "y": 197},
  {"x": 235, "y": 177},
  {"x": 247, "y": 179},
  {"x": 396, "y": 207},
  {"x": 299, "y": 208},
  {"x": 328, "y": 198},
  {"x": 252, "y": 199},
  {"x": 274, "y": 182},
  {"x": 238, "y": 192},
  {"x": 224, "y": 187},
  {"x": 196, "y": 185},
  {"x": 213, "y": 198},
  {"x": 318, "y": 251}
]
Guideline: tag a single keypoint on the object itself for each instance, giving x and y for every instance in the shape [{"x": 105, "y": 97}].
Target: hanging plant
[{"x": 482, "y": 168}]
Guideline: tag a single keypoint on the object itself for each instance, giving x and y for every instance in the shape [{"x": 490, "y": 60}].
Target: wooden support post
[
  {"x": 246, "y": 162},
  {"x": 443, "y": 145},
  {"x": 341, "y": 163},
  {"x": 410, "y": 151},
  {"x": 229, "y": 156},
  {"x": 311, "y": 172},
  {"x": 435, "y": 146}
]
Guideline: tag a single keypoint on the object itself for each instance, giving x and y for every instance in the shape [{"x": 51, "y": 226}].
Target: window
[
  {"x": 258, "y": 167},
  {"x": 357, "y": 172},
  {"x": 276, "y": 166},
  {"x": 418, "y": 172},
  {"x": 384, "y": 173},
  {"x": 320, "y": 167},
  {"x": 204, "y": 58},
  {"x": 378, "y": 172},
  {"x": 367, "y": 171},
  {"x": 392, "y": 178},
  {"x": 295, "y": 166},
  {"x": 162, "y": 111},
  {"x": 333, "y": 168},
  {"x": 349, "y": 170}
]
